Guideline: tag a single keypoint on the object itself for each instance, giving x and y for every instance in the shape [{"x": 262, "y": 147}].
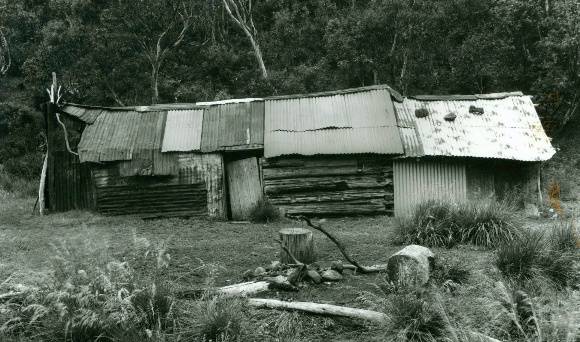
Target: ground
[{"x": 27, "y": 245}]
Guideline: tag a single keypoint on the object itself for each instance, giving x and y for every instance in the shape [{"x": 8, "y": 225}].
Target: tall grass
[
  {"x": 537, "y": 254},
  {"x": 92, "y": 296},
  {"x": 20, "y": 187},
  {"x": 445, "y": 224}
]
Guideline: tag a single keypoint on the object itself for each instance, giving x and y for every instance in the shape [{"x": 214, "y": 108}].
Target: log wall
[{"x": 330, "y": 186}]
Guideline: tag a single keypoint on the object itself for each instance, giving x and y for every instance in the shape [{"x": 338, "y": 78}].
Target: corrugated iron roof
[
  {"x": 509, "y": 128},
  {"x": 212, "y": 103},
  {"x": 380, "y": 140},
  {"x": 332, "y": 123},
  {"x": 119, "y": 135},
  {"x": 183, "y": 131},
  {"x": 233, "y": 126}
]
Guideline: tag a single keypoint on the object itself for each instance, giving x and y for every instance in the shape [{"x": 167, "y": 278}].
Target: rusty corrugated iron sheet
[
  {"x": 333, "y": 123},
  {"x": 183, "y": 131},
  {"x": 416, "y": 181},
  {"x": 233, "y": 126},
  {"x": 121, "y": 135},
  {"x": 509, "y": 128},
  {"x": 87, "y": 115}
]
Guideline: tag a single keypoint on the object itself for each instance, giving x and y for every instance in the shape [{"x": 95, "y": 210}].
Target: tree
[
  {"x": 156, "y": 27},
  {"x": 241, "y": 14}
]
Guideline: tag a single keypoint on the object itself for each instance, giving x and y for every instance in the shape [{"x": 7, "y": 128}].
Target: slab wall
[{"x": 330, "y": 186}]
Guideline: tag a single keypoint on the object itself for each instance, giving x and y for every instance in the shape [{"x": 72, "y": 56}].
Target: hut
[
  {"x": 468, "y": 147},
  {"x": 162, "y": 160},
  {"x": 349, "y": 152},
  {"x": 331, "y": 153}
]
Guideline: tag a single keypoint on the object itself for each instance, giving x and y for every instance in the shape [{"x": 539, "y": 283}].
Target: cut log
[
  {"x": 42, "y": 184},
  {"x": 319, "y": 309},
  {"x": 410, "y": 266},
  {"x": 300, "y": 243}
]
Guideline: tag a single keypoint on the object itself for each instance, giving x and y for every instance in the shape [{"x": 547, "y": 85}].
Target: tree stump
[
  {"x": 410, "y": 266},
  {"x": 299, "y": 242}
]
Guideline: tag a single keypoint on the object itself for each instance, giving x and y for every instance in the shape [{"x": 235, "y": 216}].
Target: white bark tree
[{"x": 241, "y": 13}]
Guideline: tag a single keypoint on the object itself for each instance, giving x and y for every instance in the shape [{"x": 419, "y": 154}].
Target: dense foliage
[{"x": 126, "y": 52}]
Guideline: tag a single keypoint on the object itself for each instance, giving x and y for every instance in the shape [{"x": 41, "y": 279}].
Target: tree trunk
[
  {"x": 300, "y": 243},
  {"x": 155, "y": 84},
  {"x": 41, "y": 202},
  {"x": 410, "y": 266}
]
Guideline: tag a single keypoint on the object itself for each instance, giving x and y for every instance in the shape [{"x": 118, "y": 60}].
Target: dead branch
[
  {"x": 5, "y": 59},
  {"x": 341, "y": 247},
  {"x": 65, "y": 135}
]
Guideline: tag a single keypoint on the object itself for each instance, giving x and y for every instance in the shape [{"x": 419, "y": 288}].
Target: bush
[
  {"x": 519, "y": 258},
  {"x": 414, "y": 318},
  {"x": 264, "y": 213},
  {"x": 445, "y": 224},
  {"x": 533, "y": 254},
  {"x": 214, "y": 318}
]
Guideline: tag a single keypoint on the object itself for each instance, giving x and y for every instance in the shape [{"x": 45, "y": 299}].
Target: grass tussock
[
  {"x": 536, "y": 254},
  {"x": 264, "y": 212},
  {"x": 445, "y": 224}
]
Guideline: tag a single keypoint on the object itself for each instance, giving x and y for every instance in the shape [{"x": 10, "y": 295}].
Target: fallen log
[
  {"x": 319, "y": 309},
  {"x": 341, "y": 311},
  {"x": 241, "y": 289}
]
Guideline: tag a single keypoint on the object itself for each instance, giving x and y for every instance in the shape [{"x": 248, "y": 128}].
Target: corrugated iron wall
[
  {"x": 197, "y": 189},
  {"x": 71, "y": 183},
  {"x": 419, "y": 180},
  {"x": 330, "y": 185}
]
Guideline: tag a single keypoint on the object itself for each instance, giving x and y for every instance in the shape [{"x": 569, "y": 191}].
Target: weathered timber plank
[
  {"x": 335, "y": 196},
  {"x": 295, "y": 172},
  {"x": 289, "y": 185},
  {"x": 325, "y": 161},
  {"x": 245, "y": 187},
  {"x": 338, "y": 209}
]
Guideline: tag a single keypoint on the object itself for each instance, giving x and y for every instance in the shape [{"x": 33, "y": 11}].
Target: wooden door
[{"x": 245, "y": 188}]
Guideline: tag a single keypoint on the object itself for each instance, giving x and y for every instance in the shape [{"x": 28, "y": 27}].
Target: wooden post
[{"x": 299, "y": 242}]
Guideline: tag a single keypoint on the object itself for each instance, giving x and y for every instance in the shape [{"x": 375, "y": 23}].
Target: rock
[
  {"x": 531, "y": 210},
  {"x": 337, "y": 266},
  {"x": 275, "y": 265},
  {"x": 248, "y": 274},
  {"x": 450, "y": 117},
  {"x": 331, "y": 275},
  {"x": 421, "y": 112},
  {"x": 259, "y": 271},
  {"x": 410, "y": 266},
  {"x": 314, "y": 276}
]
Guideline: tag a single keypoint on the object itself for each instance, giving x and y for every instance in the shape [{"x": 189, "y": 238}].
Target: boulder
[
  {"x": 259, "y": 271},
  {"x": 314, "y": 276},
  {"x": 331, "y": 275},
  {"x": 411, "y": 266}
]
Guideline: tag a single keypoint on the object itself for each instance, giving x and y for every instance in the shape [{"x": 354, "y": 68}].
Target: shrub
[
  {"x": 264, "y": 212},
  {"x": 214, "y": 318},
  {"x": 519, "y": 258},
  {"x": 533, "y": 254},
  {"x": 414, "y": 318},
  {"x": 19, "y": 186},
  {"x": 444, "y": 224},
  {"x": 564, "y": 236},
  {"x": 430, "y": 224}
]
